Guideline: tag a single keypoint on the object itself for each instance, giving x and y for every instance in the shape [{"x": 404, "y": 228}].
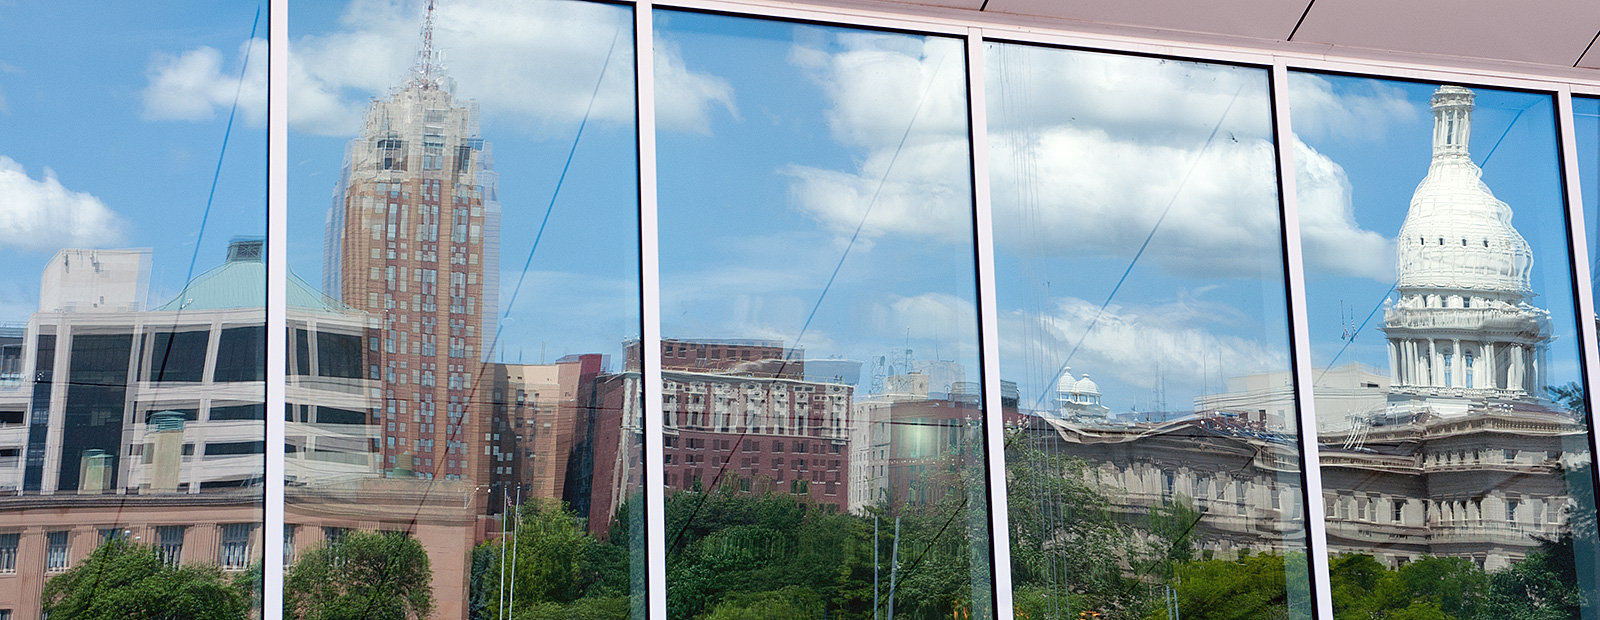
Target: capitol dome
[
  {"x": 1065, "y": 383},
  {"x": 1457, "y": 236},
  {"x": 1085, "y": 386}
]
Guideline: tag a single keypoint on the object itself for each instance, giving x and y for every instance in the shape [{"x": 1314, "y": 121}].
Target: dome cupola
[
  {"x": 1457, "y": 236},
  {"x": 1086, "y": 387}
]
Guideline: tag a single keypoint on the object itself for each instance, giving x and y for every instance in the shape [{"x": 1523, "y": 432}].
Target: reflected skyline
[{"x": 823, "y": 396}]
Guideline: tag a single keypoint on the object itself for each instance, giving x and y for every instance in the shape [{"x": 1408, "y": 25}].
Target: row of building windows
[{"x": 233, "y": 547}]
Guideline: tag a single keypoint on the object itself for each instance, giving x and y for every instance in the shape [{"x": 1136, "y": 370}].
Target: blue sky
[
  {"x": 1093, "y": 154},
  {"x": 580, "y": 292},
  {"x": 81, "y": 97},
  {"x": 1586, "y": 125},
  {"x": 829, "y": 130}
]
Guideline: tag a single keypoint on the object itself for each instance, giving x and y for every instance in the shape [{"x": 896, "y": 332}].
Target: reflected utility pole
[
  {"x": 516, "y": 527},
  {"x": 501, "y": 613},
  {"x": 894, "y": 565},
  {"x": 875, "y": 563}
]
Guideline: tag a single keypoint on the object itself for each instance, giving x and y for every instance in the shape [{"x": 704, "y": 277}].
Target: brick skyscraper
[{"x": 413, "y": 239}]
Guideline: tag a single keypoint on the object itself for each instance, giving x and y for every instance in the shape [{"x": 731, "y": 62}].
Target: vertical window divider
[
  {"x": 988, "y": 330},
  {"x": 277, "y": 320},
  {"x": 1577, "y": 237},
  {"x": 1300, "y": 342},
  {"x": 650, "y": 337}
]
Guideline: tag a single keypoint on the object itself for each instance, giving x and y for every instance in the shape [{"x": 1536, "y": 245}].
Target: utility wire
[
  {"x": 205, "y": 216},
  {"x": 458, "y": 429},
  {"x": 1392, "y": 287},
  {"x": 1200, "y": 156},
  {"x": 883, "y": 180}
]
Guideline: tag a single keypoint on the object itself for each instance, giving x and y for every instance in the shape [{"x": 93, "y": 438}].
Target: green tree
[
  {"x": 1543, "y": 586},
  {"x": 790, "y": 603},
  {"x": 560, "y": 570},
  {"x": 1251, "y": 587},
  {"x": 363, "y": 576},
  {"x": 1069, "y": 552},
  {"x": 588, "y": 608},
  {"x": 127, "y": 581},
  {"x": 1456, "y": 586}
]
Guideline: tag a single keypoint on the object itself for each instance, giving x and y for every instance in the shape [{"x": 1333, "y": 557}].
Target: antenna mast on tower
[{"x": 424, "y": 73}]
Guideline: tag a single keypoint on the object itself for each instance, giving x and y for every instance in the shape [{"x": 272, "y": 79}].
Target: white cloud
[
  {"x": 1139, "y": 346},
  {"x": 947, "y": 322},
  {"x": 199, "y": 84},
  {"x": 1332, "y": 241},
  {"x": 1364, "y": 112},
  {"x": 1089, "y": 150},
  {"x": 1074, "y": 191},
  {"x": 917, "y": 181},
  {"x": 531, "y": 65},
  {"x": 44, "y": 215},
  {"x": 1086, "y": 153}
]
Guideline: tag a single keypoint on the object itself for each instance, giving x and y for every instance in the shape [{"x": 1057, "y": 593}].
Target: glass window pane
[
  {"x": 458, "y": 373},
  {"x": 1586, "y": 127},
  {"x": 1448, "y": 384},
  {"x": 1138, "y": 242},
  {"x": 133, "y": 161},
  {"x": 820, "y": 354}
]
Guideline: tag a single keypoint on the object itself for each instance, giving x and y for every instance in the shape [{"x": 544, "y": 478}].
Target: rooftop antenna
[{"x": 424, "y": 73}]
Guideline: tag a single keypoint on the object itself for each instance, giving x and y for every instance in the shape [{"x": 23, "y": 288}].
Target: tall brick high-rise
[{"x": 413, "y": 239}]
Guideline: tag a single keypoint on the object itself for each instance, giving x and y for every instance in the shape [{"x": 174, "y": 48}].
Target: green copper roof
[{"x": 243, "y": 284}]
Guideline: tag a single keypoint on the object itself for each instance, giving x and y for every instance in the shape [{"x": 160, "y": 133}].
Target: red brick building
[{"x": 413, "y": 239}]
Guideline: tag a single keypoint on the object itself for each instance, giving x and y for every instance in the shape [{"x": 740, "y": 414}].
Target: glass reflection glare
[
  {"x": 459, "y": 421},
  {"x": 1137, "y": 240},
  {"x": 822, "y": 408},
  {"x": 1448, "y": 389},
  {"x": 131, "y": 310}
]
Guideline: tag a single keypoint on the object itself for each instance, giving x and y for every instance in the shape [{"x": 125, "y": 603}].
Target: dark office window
[
  {"x": 338, "y": 355},
  {"x": 179, "y": 356},
  {"x": 302, "y": 353},
  {"x": 94, "y": 410},
  {"x": 235, "y": 448},
  {"x": 330, "y": 415},
  {"x": 256, "y": 411},
  {"x": 242, "y": 354}
]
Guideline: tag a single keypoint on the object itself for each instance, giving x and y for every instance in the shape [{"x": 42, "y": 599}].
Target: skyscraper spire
[{"x": 427, "y": 68}]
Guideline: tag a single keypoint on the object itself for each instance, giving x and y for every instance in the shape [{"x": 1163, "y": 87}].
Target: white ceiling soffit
[
  {"x": 1554, "y": 33},
  {"x": 1547, "y": 32},
  {"x": 1257, "y": 19}
]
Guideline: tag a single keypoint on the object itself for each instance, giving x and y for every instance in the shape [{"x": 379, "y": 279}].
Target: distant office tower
[{"x": 413, "y": 239}]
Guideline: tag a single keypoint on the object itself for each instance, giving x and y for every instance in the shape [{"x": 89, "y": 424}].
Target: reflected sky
[
  {"x": 764, "y": 213},
  {"x": 537, "y": 72},
  {"x": 1362, "y": 147},
  {"x": 1136, "y": 225},
  {"x": 1586, "y": 124},
  {"x": 110, "y": 131}
]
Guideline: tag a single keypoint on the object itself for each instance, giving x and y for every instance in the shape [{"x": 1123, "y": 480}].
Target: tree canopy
[
  {"x": 122, "y": 580},
  {"x": 362, "y": 576}
]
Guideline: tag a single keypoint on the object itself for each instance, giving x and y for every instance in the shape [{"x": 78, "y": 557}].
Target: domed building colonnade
[{"x": 1462, "y": 327}]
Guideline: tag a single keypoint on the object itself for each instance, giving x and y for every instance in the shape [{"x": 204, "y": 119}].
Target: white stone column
[
  {"x": 1458, "y": 367},
  {"x": 1489, "y": 367},
  {"x": 1405, "y": 362},
  {"x": 1413, "y": 362},
  {"x": 1433, "y": 364},
  {"x": 1394, "y": 363},
  {"x": 1514, "y": 370}
]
